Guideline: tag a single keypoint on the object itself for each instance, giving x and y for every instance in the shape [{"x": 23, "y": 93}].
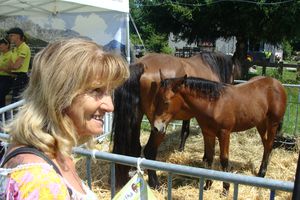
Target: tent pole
[{"x": 128, "y": 38}]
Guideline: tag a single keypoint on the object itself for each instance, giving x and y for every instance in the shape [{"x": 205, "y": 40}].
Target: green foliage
[
  {"x": 154, "y": 40},
  {"x": 287, "y": 50},
  {"x": 267, "y": 21},
  {"x": 134, "y": 39},
  {"x": 167, "y": 50},
  {"x": 288, "y": 77},
  {"x": 292, "y": 114},
  {"x": 145, "y": 126},
  {"x": 157, "y": 43}
]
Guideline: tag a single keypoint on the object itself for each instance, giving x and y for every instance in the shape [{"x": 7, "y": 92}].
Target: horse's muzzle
[{"x": 159, "y": 127}]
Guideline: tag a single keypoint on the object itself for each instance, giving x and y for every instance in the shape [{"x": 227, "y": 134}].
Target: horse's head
[{"x": 168, "y": 102}]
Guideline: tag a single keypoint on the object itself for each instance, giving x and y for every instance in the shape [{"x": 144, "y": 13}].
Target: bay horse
[
  {"x": 220, "y": 109},
  {"x": 137, "y": 96}
]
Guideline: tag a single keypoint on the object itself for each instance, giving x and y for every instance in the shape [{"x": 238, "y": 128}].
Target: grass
[{"x": 288, "y": 77}]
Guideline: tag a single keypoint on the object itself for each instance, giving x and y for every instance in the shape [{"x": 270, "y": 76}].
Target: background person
[
  {"x": 68, "y": 94},
  {"x": 5, "y": 76},
  {"x": 20, "y": 61}
]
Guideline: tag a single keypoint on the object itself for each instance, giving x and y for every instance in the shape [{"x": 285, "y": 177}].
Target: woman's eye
[{"x": 97, "y": 91}]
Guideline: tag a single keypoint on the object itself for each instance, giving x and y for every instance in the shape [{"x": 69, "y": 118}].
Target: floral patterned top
[{"x": 38, "y": 181}]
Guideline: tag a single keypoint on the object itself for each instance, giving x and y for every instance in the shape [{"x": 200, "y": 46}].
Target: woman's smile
[{"x": 81, "y": 109}]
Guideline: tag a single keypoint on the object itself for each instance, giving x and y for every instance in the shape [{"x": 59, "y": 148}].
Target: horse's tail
[
  {"x": 127, "y": 109},
  {"x": 126, "y": 125},
  {"x": 221, "y": 64},
  {"x": 279, "y": 128}
]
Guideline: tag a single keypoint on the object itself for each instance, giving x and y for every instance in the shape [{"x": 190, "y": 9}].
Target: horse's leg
[
  {"x": 267, "y": 132},
  {"x": 224, "y": 140},
  {"x": 150, "y": 152},
  {"x": 185, "y": 131},
  {"x": 209, "y": 153}
]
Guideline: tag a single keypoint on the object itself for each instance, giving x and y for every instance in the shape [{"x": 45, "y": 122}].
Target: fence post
[
  {"x": 264, "y": 66},
  {"x": 280, "y": 68},
  {"x": 298, "y": 72},
  {"x": 296, "y": 191}
]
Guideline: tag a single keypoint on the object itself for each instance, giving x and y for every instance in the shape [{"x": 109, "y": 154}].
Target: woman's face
[{"x": 87, "y": 111}]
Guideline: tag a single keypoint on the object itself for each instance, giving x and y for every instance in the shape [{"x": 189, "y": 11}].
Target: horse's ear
[
  {"x": 177, "y": 84},
  {"x": 161, "y": 75}
]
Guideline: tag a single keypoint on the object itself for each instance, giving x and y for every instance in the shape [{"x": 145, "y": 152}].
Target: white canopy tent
[{"x": 104, "y": 21}]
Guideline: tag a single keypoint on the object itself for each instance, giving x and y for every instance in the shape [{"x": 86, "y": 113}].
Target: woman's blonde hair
[{"x": 60, "y": 72}]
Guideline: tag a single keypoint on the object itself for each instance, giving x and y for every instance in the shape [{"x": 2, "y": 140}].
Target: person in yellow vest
[
  {"x": 19, "y": 64},
  {"x": 5, "y": 76}
]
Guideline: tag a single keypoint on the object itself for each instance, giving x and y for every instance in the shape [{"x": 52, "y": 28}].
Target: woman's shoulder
[
  {"x": 22, "y": 157},
  {"x": 31, "y": 180}
]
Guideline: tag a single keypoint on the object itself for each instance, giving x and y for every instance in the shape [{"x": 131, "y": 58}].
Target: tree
[
  {"x": 154, "y": 41},
  {"x": 195, "y": 20}
]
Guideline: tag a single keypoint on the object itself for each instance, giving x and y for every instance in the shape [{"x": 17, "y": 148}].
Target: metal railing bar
[
  {"x": 112, "y": 179},
  {"x": 88, "y": 171},
  {"x": 170, "y": 186},
  {"x": 235, "y": 191},
  {"x": 4, "y": 136},
  {"x": 201, "y": 188},
  {"x": 284, "y": 84},
  {"x": 192, "y": 171},
  {"x": 12, "y": 106}
]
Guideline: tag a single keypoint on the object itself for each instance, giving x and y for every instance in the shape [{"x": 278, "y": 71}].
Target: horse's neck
[{"x": 198, "y": 103}]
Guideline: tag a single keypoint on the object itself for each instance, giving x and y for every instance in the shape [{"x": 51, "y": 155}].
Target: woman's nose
[{"x": 107, "y": 103}]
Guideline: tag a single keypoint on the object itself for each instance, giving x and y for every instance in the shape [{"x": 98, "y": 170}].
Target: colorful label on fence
[{"x": 137, "y": 188}]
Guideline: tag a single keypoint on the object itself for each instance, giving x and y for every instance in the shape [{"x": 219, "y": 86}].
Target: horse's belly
[
  {"x": 242, "y": 128},
  {"x": 245, "y": 125}
]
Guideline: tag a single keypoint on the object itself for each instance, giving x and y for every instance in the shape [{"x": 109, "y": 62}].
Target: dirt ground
[{"x": 244, "y": 158}]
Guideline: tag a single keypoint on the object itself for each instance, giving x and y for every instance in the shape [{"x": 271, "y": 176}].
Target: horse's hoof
[
  {"x": 225, "y": 189},
  {"x": 225, "y": 192},
  {"x": 180, "y": 149},
  {"x": 208, "y": 185},
  {"x": 154, "y": 184}
]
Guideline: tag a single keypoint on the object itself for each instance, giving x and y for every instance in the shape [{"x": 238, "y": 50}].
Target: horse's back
[
  {"x": 269, "y": 90},
  {"x": 172, "y": 66}
]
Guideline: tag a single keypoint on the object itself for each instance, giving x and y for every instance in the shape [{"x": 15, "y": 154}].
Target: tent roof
[{"x": 36, "y": 7}]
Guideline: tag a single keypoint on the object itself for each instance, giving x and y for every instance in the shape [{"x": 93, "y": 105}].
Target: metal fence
[{"x": 174, "y": 169}]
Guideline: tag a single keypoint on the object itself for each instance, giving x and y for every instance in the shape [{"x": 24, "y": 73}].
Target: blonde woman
[{"x": 68, "y": 94}]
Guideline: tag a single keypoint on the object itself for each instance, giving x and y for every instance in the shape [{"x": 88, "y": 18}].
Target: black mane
[
  {"x": 219, "y": 63},
  {"x": 211, "y": 89}
]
